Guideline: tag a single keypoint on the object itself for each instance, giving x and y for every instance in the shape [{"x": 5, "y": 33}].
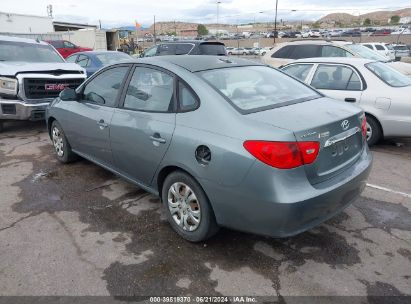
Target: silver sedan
[
  {"x": 223, "y": 142},
  {"x": 381, "y": 91}
]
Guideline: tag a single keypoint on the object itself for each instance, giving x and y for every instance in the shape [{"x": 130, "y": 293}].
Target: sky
[{"x": 113, "y": 13}]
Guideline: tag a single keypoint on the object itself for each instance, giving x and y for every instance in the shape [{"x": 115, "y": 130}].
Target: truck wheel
[
  {"x": 374, "y": 132},
  {"x": 61, "y": 145},
  {"x": 188, "y": 209}
]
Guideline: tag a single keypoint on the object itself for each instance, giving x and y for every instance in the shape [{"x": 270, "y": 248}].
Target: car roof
[
  {"x": 342, "y": 60},
  {"x": 24, "y": 40},
  {"x": 195, "y": 63},
  {"x": 316, "y": 41}
]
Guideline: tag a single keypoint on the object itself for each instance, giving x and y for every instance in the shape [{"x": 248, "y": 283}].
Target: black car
[
  {"x": 194, "y": 47},
  {"x": 351, "y": 33}
]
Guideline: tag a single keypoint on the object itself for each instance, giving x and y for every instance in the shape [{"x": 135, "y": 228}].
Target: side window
[
  {"x": 183, "y": 48},
  {"x": 104, "y": 88},
  {"x": 57, "y": 44},
  {"x": 379, "y": 47},
  {"x": 369, "y": 46},
  {"x": 305, "y": 51},
  {"x": 71, "y": 59},
  {"x": 299, "y": 71},
  {"x": 151, "y": 51},
  {"x": 166, "y": 49},
  {"x": 68, "y": 45},
  {"x": 332, "y": 51},
  {"x": 336, "y": 77},
  {"x": 187, "y": 100},
  {"x": 150, "y": 90},
  {"x": 283, "y": 52},
  {"x": 83, "y": 61}
]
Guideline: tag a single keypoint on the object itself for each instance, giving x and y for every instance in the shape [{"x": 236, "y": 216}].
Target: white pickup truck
[{"x": 32, "y": 74}]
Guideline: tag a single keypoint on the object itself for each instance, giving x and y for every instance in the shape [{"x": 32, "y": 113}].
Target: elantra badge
[
  {"x": 345, "y": 125},
  {"x": 55, "y": 86}
]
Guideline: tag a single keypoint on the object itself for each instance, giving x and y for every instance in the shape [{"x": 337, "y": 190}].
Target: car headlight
[{"x": 8, "y": 86}]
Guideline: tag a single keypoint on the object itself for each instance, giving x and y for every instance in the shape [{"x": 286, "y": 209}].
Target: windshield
[
  {"x": 28, "y": 52},
  {"x": 365, "y": 52},
  {"x": 400, "y": 48},
  {"x": 256, "y": 88},
  {"x": 112, "y": 57},
  {"x": 389, "y": 75}
]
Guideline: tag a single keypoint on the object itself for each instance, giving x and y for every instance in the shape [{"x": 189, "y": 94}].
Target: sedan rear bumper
[{"x": 285, "y": 204}]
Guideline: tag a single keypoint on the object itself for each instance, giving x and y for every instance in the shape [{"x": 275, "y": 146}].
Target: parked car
[
  {"x": 66, "y": 48},
  {"x": 383, "y": 32},
  {"x": 238, "y": 51},
  {"x": 249, "y": 50},
  {"x": 284, "y": 53},
  {"x": 195, "y": 47},
  {"x": 261, "y": 51},
  {"x": 401, "y": 50},
  {"x": 311, "y": 34},
  {"x": 402, "y": 31},
  {"x": 381, "y": 91},
  {"x": 92, "y": 61},
  {"x": 223, "y": 142},
  {"x": 32, "y": 74},
  {"x": 383, "y": 48},
  {"x": 351, "y": 33}
]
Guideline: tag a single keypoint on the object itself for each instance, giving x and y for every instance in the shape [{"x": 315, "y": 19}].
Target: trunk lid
[{"x": 335, "y": 125}]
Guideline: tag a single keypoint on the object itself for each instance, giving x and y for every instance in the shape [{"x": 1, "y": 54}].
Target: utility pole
[
  {"x": 50, "y": 10},
  {"x": 275, "y": 19},
  {"x": 218, "y": 12},
  {"x": 155, "y": 37}
]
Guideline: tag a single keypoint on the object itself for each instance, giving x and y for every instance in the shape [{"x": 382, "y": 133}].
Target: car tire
[
  {"x": 374, "y": 132},
  {"x": 61, "y": 145},
  {"x": 229, "y": 53},
  {"x": 263, "y": 53},
  {"x": 174, "y": 187}
]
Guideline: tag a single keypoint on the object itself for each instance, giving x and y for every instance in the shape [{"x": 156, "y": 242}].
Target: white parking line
[{"x": 388, "y": 190}]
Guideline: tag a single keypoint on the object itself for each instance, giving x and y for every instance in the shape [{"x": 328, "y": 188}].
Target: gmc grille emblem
[
  {"x": 345, "y": 125},
  {"x": 55, "y": 86}
]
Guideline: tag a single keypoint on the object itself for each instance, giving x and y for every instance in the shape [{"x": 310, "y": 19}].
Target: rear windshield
[
  {"x": 400, "y": 48},
  {"x": 28, "y": 52},
  {"x": 212, "y": 49},
  {"x": 389, "y": 75},
  {"x": 365, "y": 52},
  {"x": 257, "y": 88},
  {"x": 109, "y": 57}
]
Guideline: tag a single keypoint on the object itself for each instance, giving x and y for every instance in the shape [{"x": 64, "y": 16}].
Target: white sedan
[{"x": 381, "y": 91}]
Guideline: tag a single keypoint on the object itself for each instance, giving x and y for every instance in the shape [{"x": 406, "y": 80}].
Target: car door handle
[
  {"x": 350, "y": 99},
  {"x": 157, "y": 138},
  {"x": 102, "y": 124}
]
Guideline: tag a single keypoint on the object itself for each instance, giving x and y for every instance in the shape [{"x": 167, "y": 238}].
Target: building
[
  {"x": 60, "y": 26},
  {"x": 405, "y": 20},
  {"x": 25, "y": 24},
  {"x": 188, "y": 33}
]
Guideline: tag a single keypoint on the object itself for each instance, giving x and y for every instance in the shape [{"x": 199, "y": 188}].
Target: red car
[{"x": 66, "y": 48}]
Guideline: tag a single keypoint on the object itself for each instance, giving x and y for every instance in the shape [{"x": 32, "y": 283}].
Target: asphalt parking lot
[{"x": 79, "y": 230}]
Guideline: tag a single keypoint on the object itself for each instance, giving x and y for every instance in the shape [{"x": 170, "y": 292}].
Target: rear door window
[
  {"x": 83, "y": 61},
  {"x": 166, "y": 49},
  {"x": 336, "y": 77},
  {"x": 183, "y": 48},
  {"x": 305, "y": 51},
  {"x": 186, "y": 98},
  {"x": 379, "y": 47},
  {"x": 57, "y": 44},
  {"x": 332, "y": 51}
]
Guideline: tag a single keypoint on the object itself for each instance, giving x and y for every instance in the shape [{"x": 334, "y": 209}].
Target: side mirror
[{"x": 68, "y": 94}]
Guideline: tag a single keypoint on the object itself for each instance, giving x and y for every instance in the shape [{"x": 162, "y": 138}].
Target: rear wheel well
[
  {"x": 164, "y": 173},
  {"x": 49, "y": 123},
  {"x": 378, "y": 122}
]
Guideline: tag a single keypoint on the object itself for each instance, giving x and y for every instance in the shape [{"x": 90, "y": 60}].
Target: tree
[
  {"x": 395, "y": 19},
  {"x": 316, "y": 25},
  {"x": 367, "y": 22},
  {"x": 202, "y": 30}
]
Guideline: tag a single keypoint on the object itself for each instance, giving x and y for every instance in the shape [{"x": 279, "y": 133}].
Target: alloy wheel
[
  {"x": 184, "y": 207},
  {"x": 369, "y": 131},
  {"x": 58, "y": 141}
]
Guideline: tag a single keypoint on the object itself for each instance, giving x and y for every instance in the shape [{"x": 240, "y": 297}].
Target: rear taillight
[
  {"x": 283, "y": 155},
  {"x": 364, "y": 127}
]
